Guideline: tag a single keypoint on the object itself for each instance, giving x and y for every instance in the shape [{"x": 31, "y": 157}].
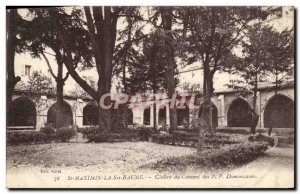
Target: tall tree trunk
[
  {"x": 11, "y": 79},
  {"x": 105, "y": 113},
  {"x": 171, "y": 64},
  {"x": 276, "y": 80},
  {"x": 208, "y": 79},
  {"x": 255, "y": 117},
  {"x": 127, "y": 47},
  {"x": 60, "y": 117},
  {"x": 206, "y": 118}
]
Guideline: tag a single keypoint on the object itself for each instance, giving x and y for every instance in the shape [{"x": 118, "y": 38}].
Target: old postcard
[{"x": 150, "y": 97}]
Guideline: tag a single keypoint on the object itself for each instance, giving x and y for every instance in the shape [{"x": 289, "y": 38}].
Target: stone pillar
[
  {"x": 259, "y": 110},
  {"x": 142, "y": 115},
  {"x": 168, "y": 114},
  {"x": 78, "y": 113},
  {"x": 42, "y": 113},
  {"x": 222, "y": 117},
  {"x": 151, "y": 115},
  {"x": 157, "y": 114}
]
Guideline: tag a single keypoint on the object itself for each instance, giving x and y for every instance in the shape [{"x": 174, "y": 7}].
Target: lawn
[{"x": 105, "y": 156}]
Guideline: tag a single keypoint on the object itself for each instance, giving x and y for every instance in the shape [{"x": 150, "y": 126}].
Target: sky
[{"x": 196, "y": 76}]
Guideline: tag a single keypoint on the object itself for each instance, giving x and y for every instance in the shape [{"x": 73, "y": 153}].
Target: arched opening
[
  {"x": 90, "y": 114},
  {"x": 147, "y": 116},
  {"x": 22, "y": 113},
  {"x": 214, "y": 115},
  {"x": 239, "y": 114},
  {"x": 183, "y": 116},
  {"x": 162, "y": 116},
  {"x": 279, "y": 112},
  {"x": 66, "y": 114}
]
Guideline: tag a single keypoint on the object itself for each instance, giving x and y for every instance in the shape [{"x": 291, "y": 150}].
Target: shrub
[
  {"x": 64, "y": 134},
  {"x": 87, "y": 131},
  {"x": 286, "y": 140},
  {"x": 120, "y": 117},
  {"x": 49, "y": 133},
  {"x": 236, "y": 154},
  {"x": 105, "y": 137},
  {"x": 192, "y": 140},
  {"x": 120, "y": 135},
  {"x": 262, "y": 138},
  {"x": 25, "y": 137},
  {"x": 233, "y": 131},
  {"x": 145, "y": 133},
  {"x": 48, "y": 130}
]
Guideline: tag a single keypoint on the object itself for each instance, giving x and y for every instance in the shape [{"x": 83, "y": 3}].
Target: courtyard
[
  {"x": 150, "y": 96},
  {"x": 135, "y": 158}
]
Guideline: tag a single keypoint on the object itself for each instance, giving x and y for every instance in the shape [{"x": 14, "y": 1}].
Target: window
[{"x": 27, "y": 70}]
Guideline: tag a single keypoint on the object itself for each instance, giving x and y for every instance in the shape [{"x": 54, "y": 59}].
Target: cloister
[{"x": 230, "y": 110}]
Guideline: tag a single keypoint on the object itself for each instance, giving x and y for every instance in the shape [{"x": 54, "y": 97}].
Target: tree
[
  {"x": 169, "y": 58},
  {"x": 192, "y": 88},
  {"x": 128, "y": 47},
  {"x": 265, "y": 52},
  {"x": 127, "y": 52},
  {"x": 13, "y": 25},
  {"x": 209, "y": 35},
  {"x": 38, "y": 84},
  {"x": 149, "y": 73},
  {"x": 42, "y": 40},
  {"x": 280, "y": 49},
  {"x": 79, "y": 92},
  {"x": 101, "y": 27}
]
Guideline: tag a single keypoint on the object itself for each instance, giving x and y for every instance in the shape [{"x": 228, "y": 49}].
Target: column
[
  {"x": 222, "y": 117},
  {"x": 258, "y": 110},
  {"x": 42, "y": 116},
  {"x": 151, "y": 115},
  {"x": 78, "y": 113},
  {"x": 168, "y": 114}
]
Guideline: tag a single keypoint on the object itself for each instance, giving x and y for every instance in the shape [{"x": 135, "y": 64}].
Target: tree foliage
[
  {"x": 265, "y": 53},
  {"x": 209, "y": 35}
]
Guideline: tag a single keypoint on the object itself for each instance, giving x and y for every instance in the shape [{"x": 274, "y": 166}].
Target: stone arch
[
  {"x": 214, "y": 115},
  {"x": 67, "y": 114},
  {"x": 90, "y": 114},
  {"x": 239, "y": 113},
  {"x": 183, "y": 116},
  {"x": 279, "y": 112},
  {"x": 22, "y": 113},
  {"x": 162, "y": 115},
  {"x": 147, "y": 116}
]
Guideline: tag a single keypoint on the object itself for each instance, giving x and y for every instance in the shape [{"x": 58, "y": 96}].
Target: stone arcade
[{"x": 229, "y": 111}]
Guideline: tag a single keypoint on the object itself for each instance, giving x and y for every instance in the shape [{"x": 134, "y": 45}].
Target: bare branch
[
  {"x": 66, "y": 77},
  {"x": 49, "y": 66},
  {"x": 70, "y": 67}
]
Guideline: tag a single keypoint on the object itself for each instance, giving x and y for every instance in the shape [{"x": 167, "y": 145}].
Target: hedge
[
  {"x": 236, "y": 154},
  {"x": 25, "y": 137},
  {"x": 45, "y": 135},
  {"x": 121, "y": 135},
  {"x": 209, "y": 140}
]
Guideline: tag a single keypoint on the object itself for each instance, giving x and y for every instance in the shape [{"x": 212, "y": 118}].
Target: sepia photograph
[{"x": 156, "y": 97}]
